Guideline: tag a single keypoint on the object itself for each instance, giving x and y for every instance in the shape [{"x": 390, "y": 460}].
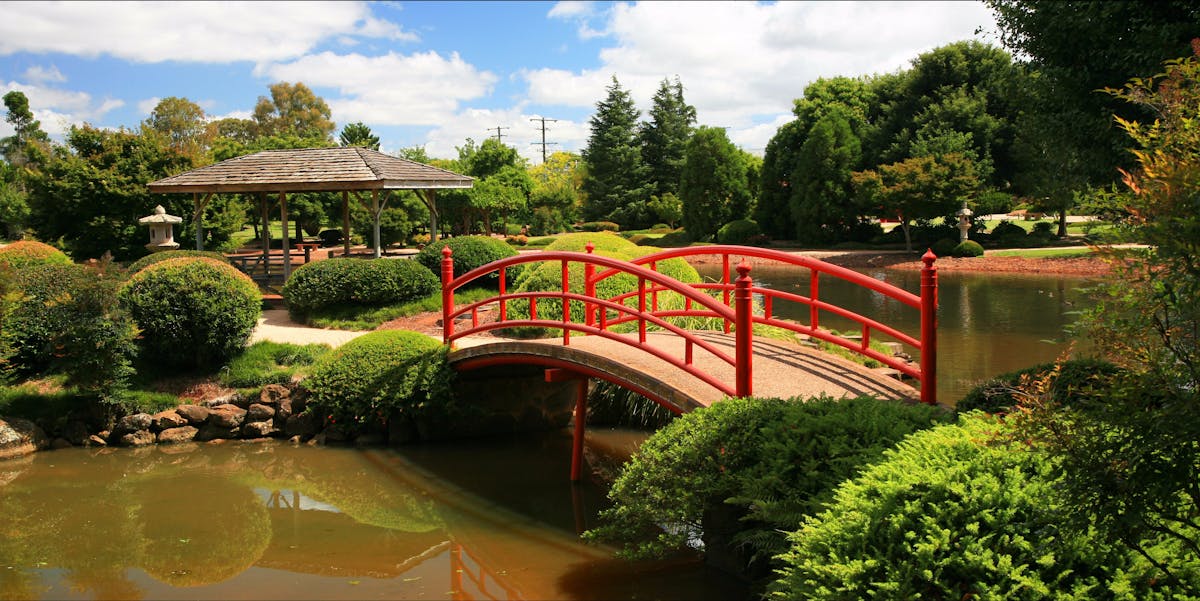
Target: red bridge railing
[{"x": 641, "y": 305}]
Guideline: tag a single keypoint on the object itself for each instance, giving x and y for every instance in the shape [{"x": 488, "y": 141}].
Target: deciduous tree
[
  {"x": 293, "y": 109},
  {"x": 713, "y": 184}
]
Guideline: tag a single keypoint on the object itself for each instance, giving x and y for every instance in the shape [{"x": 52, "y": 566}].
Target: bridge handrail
[
  {"x": 926, "y": 303},
  {"x": 591, "y": 302}
]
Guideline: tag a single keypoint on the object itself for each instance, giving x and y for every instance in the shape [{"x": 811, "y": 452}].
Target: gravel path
[{"x": 276, "y": 326}]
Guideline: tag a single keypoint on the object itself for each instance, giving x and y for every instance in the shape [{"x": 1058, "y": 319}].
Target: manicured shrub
[
  {"x": 469, "y": 252},
  {"x": 738, "y": 232},
  {"x": 153, "y": 258},
  {"x": 955, "y": 513},
  {"x": 370, "y": 282},
  {"x": 598, "y": 226},
  {"x": 30, "y": 327},
  {"x": 660, "y": 227},
  {"x": 763, "y": 464},
  {"x": 193, "y": 312},
  {"x": 943, "y": 247},
  {"x": 1007, "y": 232},
  {"x": 382, "y": 375},
  {"x": 1077, "y": 381},
  {"x": 24, "y": 253},
  {"x": 967, "y": 248},
  {"x": 675, "y": 239}
]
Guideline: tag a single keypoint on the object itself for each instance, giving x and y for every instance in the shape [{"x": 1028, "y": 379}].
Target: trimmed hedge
[
  {"x": 26, "y": 253},
  {"x": 153, "y": 258},
  {"x": 944, "y": 247},
  {"x": 955, "y": 513},
  {"x": 598, "y": 226},
  {"x": 469, "y": 252},
  {"x": 380, "y": 376},
  {"x": 675, "y": 239},
  {"x": 193, "y": 312},
  {"x": 1077, "y": 382},
  {"x": 367, "y": 282},
  {"x": 1007, "y": 232},
  {"x": 29, "y": 330},
  {"x": 764, "y": 463},
  {"x": 967, "y": 248},
  {"x": 738, "y": 232}
]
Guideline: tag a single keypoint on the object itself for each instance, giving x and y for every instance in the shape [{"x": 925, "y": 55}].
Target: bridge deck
[{"x": 781, "y": 369}]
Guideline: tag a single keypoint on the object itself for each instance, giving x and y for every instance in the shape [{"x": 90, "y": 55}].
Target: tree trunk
[
  {"x": 1062, "y": 223},
  {"x": 907, "y": 235}
]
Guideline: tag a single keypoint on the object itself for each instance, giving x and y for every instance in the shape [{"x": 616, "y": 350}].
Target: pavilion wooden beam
[
  {"x": 428, "y": 196},
  {"x": 198, "y": 205},
  {"x": 345, "y": 223},
  {"x": 287, "y": 255}
]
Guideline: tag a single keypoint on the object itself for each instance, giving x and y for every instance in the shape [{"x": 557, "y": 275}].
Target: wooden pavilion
[{"x": 342, "y": 169}]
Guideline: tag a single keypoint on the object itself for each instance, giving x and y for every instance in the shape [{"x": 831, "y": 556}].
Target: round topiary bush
[
  {"x": 738, "y": 232},
  {"x": 967, "y": 248},
  {"x": 1008, "y": 232},
  {"x": 371, "y": 282},
  {"x": 1077, "y": 381},
  {"x": 943, "y": 247},
  {"x": 153, "y": 258},
  {"x": 469, "y": 252},
  {"x": 955, "y": 513},
  {"x": 381, "y": 375},
  {"x": 193, "y": 312},
  {"x": 24, "y": 253}
]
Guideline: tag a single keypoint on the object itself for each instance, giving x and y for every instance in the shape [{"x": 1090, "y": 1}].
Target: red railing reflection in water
[{"x": 701, "y": 300}]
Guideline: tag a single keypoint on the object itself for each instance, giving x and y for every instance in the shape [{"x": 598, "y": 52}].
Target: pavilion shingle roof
[{"x": 311, "y": 170}]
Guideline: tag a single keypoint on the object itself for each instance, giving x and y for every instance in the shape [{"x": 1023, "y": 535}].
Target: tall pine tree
[
  {"x": 615, "y": 181},
  {"x": 664, "y": 137}
]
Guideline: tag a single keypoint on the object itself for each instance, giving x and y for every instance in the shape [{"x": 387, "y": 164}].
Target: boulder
[
  {"x": 233, "y": 398},
  {"x": 272, "y": 394},
  {"x": 20, "y": 437},
  {"x": 165, "y": 420},
  {"x": 96, "y": 441},
  {"x": 259, "y": 413},
  {"x": 194, "y": 414},
  {"x": 303, "y": 424},
  {"x": 211, "y": 431},
  {"x": 76, "y": 433},
  {"x": 139, "y": 438},
  {"x": 283, "y": 411},
  {"x": 60, "y": 443},
  {"x": 258, "y": 429},
  {"x": 132, "y": 423},
  {"x": 177, "y": 435},
  {"x": 226, "y": 416}
]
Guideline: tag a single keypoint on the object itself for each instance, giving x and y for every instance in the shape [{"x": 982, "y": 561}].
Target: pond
[
  {"x": 493, "y": 519},
  {"x": 988, "y": 324}
]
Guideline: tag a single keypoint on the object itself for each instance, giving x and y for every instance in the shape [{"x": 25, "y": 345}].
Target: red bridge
[{"x": 633, "y": 337}]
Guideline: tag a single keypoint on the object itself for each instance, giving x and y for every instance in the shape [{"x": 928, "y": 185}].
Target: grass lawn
[
  {"x": 357, "y": 318},
  {"x": 1042, "y": 253}
]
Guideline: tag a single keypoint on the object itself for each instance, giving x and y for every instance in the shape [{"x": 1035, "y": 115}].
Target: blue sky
[{"x": 435, "y": 73}]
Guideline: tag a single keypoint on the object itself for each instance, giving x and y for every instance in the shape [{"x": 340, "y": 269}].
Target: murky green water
[
  {"x": 490, "y": 519},
  {"x": 988, "y": 324}
]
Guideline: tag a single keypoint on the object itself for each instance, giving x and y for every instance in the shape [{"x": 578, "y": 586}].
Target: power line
[
  {"x": 499, "y": 136},
  {"x": 544, "y": 143}
]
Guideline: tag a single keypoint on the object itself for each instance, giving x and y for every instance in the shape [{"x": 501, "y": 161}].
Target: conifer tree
[
  {"x": 614, "y": 185},
  {"x": 664, "y": 137}
]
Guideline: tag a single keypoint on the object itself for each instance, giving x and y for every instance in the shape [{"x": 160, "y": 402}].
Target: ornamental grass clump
[
  {"x": 956, "y": 512},
  {"x": 738, "y": 474},
  {"x": 194, "y": 313},
  {"x": 384, "y": 375},
  {"x": 25, "y": 253},
  {"x": 367, "y": 283}
]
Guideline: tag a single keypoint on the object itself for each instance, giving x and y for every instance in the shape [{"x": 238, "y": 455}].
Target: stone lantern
[
  {"x": 964, "y": 221},
  {"x": 162, "y": 236}
]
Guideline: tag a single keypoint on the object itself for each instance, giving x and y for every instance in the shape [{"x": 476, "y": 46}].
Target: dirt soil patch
[{"x": 1081, "y": 266}]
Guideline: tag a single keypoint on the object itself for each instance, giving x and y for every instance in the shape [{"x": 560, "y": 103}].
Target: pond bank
[{"x": 1074, "y": 266}]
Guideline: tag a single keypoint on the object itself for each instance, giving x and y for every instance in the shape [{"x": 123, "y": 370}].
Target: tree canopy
[
  {"x": 614, "y": 184},
  {"x": 713, "y": 186}
]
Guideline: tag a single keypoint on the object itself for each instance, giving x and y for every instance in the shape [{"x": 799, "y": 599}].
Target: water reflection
[
  {"x": 250, "y": 521},
  {"x": 988, "y": 324}
]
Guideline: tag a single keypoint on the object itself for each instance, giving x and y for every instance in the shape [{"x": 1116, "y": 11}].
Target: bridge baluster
[
  {"x": 866, "y": 337},
  {"x": 654, "y": 290},
  {"x": 813, "y": 292},
  {"x": 589, "y": 288},
  {"x": 566, "y": 303},
  {"x": 447, "y": 295},
  {"x": 725, "y": 287},
  {"x": 744, "y": 343},
  {"x": 503, "y": 301},
  {"x": 642, "y": 310},
  {"x": 929, "y": 302}
]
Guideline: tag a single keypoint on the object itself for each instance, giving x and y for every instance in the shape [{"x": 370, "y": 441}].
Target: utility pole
[
  {"x": 544, "y": 143},
  {"x": 499, "y": 135}
]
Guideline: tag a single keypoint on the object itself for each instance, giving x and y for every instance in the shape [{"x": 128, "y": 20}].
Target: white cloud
[
  {"x": 44, "y": 75},
  {"x": 480, "y": 124},
  {"x": 569, "y": 9},
  {"x": 423, "y": 88},
  {"x": 58, "y": 109},
  {"x": 145, "y": 107},
  {"x": 743, "y": 64},
  {"x": 151, "y": 32}
]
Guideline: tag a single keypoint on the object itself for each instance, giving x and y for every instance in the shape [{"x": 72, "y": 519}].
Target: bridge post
[
  {"x": 447, "y": 295},
  {"x": 929, "y": 302},
  {"x": 743, "y": 311},
  {"x": 589, "y": 288}
]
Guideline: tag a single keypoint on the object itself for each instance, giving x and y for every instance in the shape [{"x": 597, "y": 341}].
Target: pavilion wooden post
[
  {"x": 198, "y": 205},
  {"x": 266, "y": 233},
  {"x": 287, "y": 254},
  {"x": 345, "y": 223},
  {"x": 375, "y": 210},
  {"x": 429, "y": 196}
]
